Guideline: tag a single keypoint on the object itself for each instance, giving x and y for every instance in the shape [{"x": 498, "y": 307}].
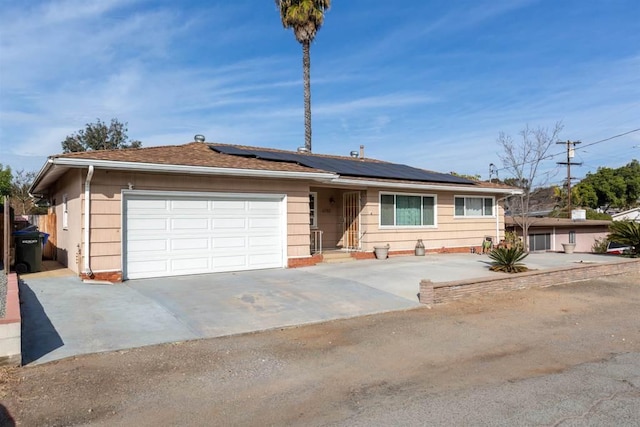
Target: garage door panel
[
  {"x": 191, "y": 265},
  {"x": 264, "y": 205},
  {"x": 190, "y": 205},
  {"x": 262, "y": 241},
  {"x": 143, "y": 267},
  {"x": 230, "y": 243},
  {"x": 148, "y": 204},
  {"x": 156, "y": 224},
  {"x": 190, "y": 223},
  {"x": 227, "y": 205},
  {"x": 261, "y": 223},
  {"x": 229, "y": 223},
  {"x": 262, "y": 259},
  {"x": 189, "y": 244},
  {"x": 192, "y": 235},
  {"x": 146, "y": 245},
  {"x": 230, "y": 262}
]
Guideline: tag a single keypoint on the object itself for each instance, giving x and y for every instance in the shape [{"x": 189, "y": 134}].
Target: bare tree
[
  {"x": 522, "y": 160},
  {"x": 20, "y": 197}
]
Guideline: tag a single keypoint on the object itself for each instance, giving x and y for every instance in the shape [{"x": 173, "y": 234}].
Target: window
[
  {"x": 402, "y": 210},
  {"x": 572, "y": 237},
  {"x": 65, "y": 213},
  {"x": 473, "y": 206},
  {"x": 540, "y": 242},
  {"x": 313, "y": 210}
]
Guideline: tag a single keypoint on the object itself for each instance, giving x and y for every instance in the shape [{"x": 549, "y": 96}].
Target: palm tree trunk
[{"x": 306, "y": 67}]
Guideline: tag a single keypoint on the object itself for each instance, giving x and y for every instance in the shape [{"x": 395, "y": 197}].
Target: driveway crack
[{"x": 593, "y": 407}]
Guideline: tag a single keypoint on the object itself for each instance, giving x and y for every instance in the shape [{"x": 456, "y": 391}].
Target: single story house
[
  {"x": 548, "y": 234},
  {"x": 207, "y": 207},
  {"x": 629, "y": 215}
]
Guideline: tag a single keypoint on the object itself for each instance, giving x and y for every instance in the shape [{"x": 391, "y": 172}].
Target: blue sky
[{"x": 426, "y": 83}]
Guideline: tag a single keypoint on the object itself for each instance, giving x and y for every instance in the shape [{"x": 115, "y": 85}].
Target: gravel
[{"x": 3, "y": 293}]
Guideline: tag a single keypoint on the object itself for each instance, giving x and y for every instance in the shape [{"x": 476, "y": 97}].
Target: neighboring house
[
  {"x": 630, "y": 215},
  {"x": 548, "y": 234},
  {"x": 200, "y": 208}
]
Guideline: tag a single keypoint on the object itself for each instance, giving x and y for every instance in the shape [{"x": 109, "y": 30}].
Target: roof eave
[
  {"x": 40, "y": 183},
  {"x": 426, "y": 186},
  {"x": 42, "y": 173}
]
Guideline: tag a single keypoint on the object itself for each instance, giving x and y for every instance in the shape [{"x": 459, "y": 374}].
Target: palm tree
[
  {"x": 306, "y": 18},
  {"x": 626, "y": 232}
]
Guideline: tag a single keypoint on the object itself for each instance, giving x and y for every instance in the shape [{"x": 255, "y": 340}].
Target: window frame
[
  {"x": 422, "y": 196},
  {"x": 484, "y": 201},
  {"x": 65, "y": 212},
  {"x": 572, "y": 237},
  {"x": 313, "y": 212}
]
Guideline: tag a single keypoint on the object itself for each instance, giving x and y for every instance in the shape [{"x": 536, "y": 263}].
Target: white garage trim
[{"x": 171, "y": 233}]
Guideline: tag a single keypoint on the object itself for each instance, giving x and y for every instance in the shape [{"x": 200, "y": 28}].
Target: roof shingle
[
  {"x": 191, "y": 154},
  {"x": 201, "y": 154}
]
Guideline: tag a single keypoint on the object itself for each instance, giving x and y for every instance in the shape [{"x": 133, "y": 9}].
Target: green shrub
[
  {"x": 508, "y": 260},
  {"x": 600, "y": 246},
  {"x": 513, "y": 240},
  {"x": 593, "y": 214}
]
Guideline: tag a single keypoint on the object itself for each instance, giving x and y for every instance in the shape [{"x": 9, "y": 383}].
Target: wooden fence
[{"x": 47, "y": 224}]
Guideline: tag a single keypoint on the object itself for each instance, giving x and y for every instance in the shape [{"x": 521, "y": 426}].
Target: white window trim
[
  {"x": 405, "y": 227},
  {"x": 314, "y": 219},
  {"x": 65, "y": 212},
  {"x": 493, "y": 207}
]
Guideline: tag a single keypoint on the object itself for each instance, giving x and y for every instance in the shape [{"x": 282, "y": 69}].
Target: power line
[
  {"x": 610, "y": 138},
  {"x": 551, "y": 156}
]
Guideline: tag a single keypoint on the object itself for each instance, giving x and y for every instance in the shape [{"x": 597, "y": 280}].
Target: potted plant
[
  {"x": 568, "y": 247},
  {"x": 382, "y": 252}
]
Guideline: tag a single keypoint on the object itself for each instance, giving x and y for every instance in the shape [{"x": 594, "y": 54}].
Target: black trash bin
[{"x": 28, "y": 251}]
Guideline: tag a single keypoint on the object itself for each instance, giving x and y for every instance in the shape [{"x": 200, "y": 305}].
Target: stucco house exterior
[
  {"x": 205, "y": 207},
  {"x": 548, "y": 234},
  {"x": 628, "y": 215}
]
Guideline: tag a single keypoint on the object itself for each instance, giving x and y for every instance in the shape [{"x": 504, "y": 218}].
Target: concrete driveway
[{"x": 63, "y": 316}]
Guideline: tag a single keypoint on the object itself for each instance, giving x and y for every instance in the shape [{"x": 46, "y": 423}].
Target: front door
[{"x": 351, "y": 235}]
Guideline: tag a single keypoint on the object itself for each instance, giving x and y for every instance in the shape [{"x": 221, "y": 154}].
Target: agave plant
[
  {"x": 626, "y": 232},
  {"x": 508, "y": 260}
]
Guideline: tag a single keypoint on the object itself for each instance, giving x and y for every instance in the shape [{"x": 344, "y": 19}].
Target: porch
[{"x": 335, "y": 220}]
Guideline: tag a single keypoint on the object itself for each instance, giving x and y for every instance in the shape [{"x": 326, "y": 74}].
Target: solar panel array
[{"x": 346, "y": 167}]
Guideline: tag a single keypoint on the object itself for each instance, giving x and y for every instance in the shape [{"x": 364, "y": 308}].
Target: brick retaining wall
[
  {"x": 10, "y": 344},
  {"x": 436, "y": 293}
]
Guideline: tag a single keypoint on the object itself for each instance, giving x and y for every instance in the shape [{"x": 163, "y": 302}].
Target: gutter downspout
[{"x": 87, "y": 222}]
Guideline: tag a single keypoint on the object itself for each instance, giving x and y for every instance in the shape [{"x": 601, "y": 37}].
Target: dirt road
[{"x": 340, "y": 373}]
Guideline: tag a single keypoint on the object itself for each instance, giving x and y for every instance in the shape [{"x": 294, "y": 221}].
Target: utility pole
[{"x": 571, "y": 152}]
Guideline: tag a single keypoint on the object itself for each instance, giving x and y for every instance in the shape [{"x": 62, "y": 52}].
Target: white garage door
[{"x": 171, "y": 235}]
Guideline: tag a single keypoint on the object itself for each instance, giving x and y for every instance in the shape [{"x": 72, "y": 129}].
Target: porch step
[{"x": 335, "y": 257}]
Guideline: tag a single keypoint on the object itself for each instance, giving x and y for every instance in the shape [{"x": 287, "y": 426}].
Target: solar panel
[{"x": 346, "y": 167}]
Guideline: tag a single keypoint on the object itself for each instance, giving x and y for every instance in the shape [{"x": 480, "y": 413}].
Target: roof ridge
[
  {"x": 128, "y": 149},
  {"x": 279, "y": 150}
]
